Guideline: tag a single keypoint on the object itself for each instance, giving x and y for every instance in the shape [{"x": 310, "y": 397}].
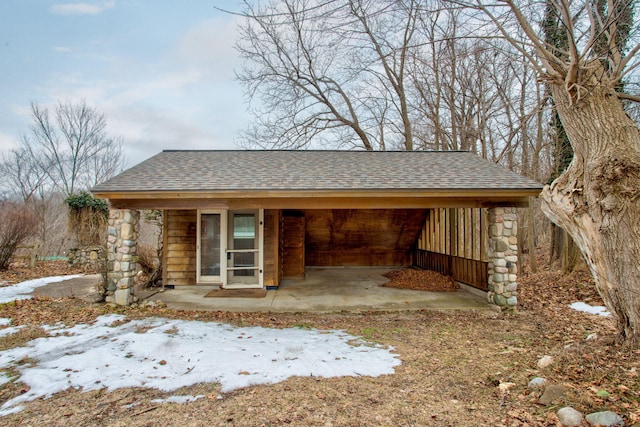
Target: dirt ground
[{"x": 455, "y": 369}]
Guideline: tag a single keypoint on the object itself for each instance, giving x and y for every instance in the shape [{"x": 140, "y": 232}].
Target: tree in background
[
  {"x": 62, "y": 153},
  {"x": 72, "y": 146},
  {"x": 383, "y": 75},
  {"x": 326, "y": 69},
  {"x": 562, "y": 247}
]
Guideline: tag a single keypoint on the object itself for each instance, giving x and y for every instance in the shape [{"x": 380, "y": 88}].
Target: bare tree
[
  {"x": 597, "y": 198},
  {"x": 320, "y": 72},
  {"x": 62, "y": 153},
  {"x": 21, "y": 172},
  {"x": 72, "y": 147}
]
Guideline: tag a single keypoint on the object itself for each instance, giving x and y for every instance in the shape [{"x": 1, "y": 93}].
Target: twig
[{"x": 145, "y": 410}]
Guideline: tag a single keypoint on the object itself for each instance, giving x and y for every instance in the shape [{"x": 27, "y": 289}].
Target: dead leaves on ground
[
  {"x": 20, "y": 272},
  {"x": 452, "y": 363},
  {"x": 422, "y": 280}
]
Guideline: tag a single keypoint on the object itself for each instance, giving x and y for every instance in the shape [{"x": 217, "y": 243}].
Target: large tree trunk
[{"x": 597, "y": 199}]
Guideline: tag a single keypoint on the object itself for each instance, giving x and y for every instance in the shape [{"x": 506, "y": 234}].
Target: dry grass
[{"x": 452, "y": 366}]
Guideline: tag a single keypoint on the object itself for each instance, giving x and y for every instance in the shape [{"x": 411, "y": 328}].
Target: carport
[{"x": 251, "y": 219}]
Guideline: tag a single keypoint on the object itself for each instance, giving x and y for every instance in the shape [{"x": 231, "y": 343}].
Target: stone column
[
  {"x": 503, "y": 257},
  {"x": 122, "y": 240}
]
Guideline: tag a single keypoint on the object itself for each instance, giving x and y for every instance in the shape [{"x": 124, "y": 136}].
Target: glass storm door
[
  {"x": 211, "y": 232},
  {"x": 243, "y": 251}
]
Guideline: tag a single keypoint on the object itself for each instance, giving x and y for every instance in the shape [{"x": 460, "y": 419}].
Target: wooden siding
[
  {"x": 468, "y": 271},
  {"x": 454, "y": 242},
  {"x": 361, "y": 237},
  {"x": 461, "y": 232},
  {"x": 293, "y": 253},
  {"x": 179, "y": 251},
  {"x": 271, "y": 263}
]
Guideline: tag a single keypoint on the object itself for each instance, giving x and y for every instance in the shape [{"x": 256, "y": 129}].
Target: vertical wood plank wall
[
  {"x": 454, "y": 241},
  {"x": 179, "y": 252},
  {"x": 272, "y": 268},
  {"x": 293, "y": 245}
]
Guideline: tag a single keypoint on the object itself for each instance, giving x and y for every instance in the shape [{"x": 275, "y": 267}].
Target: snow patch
[
  {"x": 10, "y": 330},
  {"x": 167, "y": 354},
  {"x": 597, "y": 309},
  {"x": 23, "y": 290},
  {"x": 4, "y": 378},
  {"x": 178, "y": 399}
]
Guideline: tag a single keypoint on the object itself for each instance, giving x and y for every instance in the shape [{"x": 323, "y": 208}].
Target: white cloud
[
  {"x": 209, "y": 46},
  {"x": 7, "y": 142},
  {"x": 63, "y": 49},
  {"x": 182, "y": 98},
  {"x": 81, "y": 8}
]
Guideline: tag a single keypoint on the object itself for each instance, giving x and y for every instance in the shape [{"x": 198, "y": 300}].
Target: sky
[{"x": 161, "y": 71}]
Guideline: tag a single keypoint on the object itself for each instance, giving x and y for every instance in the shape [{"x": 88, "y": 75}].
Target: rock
[
  {"x": 537, "y": 383},
  {"x": 569, "y": 416},
  {"x": 552, "y": 393},
  {"x": 605, "y": 418},
  {"x": 505, "y": 387},
  {"x": 545, "y": 361},
  {"x": 92, "y": 297}
]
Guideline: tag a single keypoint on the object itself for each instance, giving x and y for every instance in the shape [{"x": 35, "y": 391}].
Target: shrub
[
  {"x": 17, "y": 224},
  {"x": 87, "y": 218},
  {"x": 150, "y": 264}
]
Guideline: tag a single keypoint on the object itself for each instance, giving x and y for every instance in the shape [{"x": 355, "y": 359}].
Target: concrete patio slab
[
  {"x": 327, "y": 290},
  {"x": 86, "y": 287}
]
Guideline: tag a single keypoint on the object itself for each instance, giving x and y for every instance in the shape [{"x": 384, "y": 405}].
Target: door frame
[
  {"x": 223, "y": 243},
  {"x": 259, "y": 214},
  {"x": 224, "y": 233}
]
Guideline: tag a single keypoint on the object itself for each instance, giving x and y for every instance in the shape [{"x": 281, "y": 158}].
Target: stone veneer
[
  {"x": 88, "y": 257},
  {"x": 503, "y": 257},
  {"x": 122, "y": 237}
]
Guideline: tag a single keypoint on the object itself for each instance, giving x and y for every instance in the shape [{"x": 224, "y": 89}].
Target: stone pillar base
[
  {"x": 122, "y": 260},
  {"x": 122, "y": 297},
  {"x": 503, "y": 258}
]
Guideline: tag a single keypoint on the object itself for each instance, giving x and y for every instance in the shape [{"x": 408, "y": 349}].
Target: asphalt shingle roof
[{"x": 314, "y": 170}]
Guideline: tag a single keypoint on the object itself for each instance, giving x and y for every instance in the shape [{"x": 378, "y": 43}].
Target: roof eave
[{"x": 301, "y": 199}]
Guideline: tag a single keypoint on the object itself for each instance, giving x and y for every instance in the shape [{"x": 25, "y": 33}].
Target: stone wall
[
  {"x": 122, "y": 240},
  {"x": 503, "y": 257},
  {"x": 90, "y": 258}
]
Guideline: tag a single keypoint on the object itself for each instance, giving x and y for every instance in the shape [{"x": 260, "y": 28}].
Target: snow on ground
[
  {"x": 23, "y": 290},
  {"x": 10, "y": 330},
  {"x": 167, "y": 354},
  {"x": 179, "y": 399},
  {"x": 597, "y": 309}
]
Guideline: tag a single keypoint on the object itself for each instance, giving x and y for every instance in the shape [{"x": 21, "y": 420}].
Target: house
[{"x": 248, "y": 219}]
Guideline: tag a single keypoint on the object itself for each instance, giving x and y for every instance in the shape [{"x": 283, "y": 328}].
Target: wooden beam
[
  {"x": 486, "y": 194},
  {"x": 322, "y": 203}
]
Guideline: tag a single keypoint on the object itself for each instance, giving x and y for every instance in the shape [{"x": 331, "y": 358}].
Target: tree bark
[
  {"x": 597, "y": 199},
  {"x": 533, "y": 261}
]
